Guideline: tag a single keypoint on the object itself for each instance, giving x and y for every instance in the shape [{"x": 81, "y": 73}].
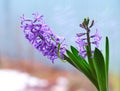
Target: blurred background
[{"x": 64, "y": 17}]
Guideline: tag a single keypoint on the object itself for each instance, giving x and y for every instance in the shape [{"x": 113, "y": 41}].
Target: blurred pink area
[{"x": 28, "y": 75}]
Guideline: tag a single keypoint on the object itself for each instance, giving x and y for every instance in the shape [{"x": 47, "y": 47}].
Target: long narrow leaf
[
  {"x": 100, "y": 69},
  {"x": 75, "y": 61},
  {"x": 83, "y": 61},
  {"x": 107, "y": 59},
  {"x": 81, "y": 68},
  {"x": 90, "y": 60},
  {"x": 70, "y": 61}
]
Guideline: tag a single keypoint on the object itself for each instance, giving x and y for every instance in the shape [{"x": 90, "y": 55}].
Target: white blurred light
[{"x": 11, "y": 80}]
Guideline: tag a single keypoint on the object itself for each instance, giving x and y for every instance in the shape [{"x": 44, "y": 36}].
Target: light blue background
[{"x": 64, "y": 17}]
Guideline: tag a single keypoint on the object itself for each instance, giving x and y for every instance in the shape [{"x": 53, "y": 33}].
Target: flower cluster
[
  {"x": 40, "y": 35},
  {"x": 84, "y": 39}
]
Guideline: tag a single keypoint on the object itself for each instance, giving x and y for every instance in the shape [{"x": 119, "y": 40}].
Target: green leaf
[
  {"x": 81, "y": 67},
  {"x": 75, "y": 61},
  {"x": 83, "y": 61},
  {"x": 107, "y": 59},
  {"x": 90, "y": 60},
  {"x": 70, "y": 61},
  {"x": 100, "y": 69}
]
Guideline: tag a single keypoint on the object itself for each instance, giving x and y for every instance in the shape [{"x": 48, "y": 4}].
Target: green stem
[
  {"x": 88, "y": 38},
  {"x": 89, "y": 53}
]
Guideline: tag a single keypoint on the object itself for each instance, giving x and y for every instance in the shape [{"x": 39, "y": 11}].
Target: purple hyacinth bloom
[
  {"x": 96, "y": 38},
  {"x": 82, "y": 42},
  {"x": 40, "y": 35}
]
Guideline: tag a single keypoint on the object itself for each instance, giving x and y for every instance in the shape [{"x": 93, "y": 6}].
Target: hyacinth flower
[
  {"x": 40, "y": 35},
  {"x": 87, "y": 58},
  {"x": 90, "y": 61}
]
